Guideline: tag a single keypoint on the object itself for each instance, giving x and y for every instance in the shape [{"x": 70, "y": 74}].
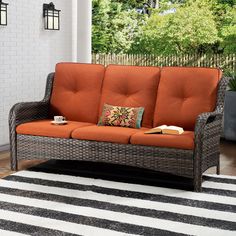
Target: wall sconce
[
  {"x": 51, "y": 17},
  {"x": 3, "y": 13}
]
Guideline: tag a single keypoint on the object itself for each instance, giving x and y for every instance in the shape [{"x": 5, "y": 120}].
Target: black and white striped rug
[{"x": 40, "y": 203}]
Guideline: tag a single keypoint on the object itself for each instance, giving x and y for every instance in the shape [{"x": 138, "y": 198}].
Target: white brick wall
[{"x": 28, "y": 53}]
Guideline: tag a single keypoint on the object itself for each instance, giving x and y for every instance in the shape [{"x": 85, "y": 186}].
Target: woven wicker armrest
[
  {"x": 204, "y": 120},
  {"x": 208, "y": 130},
  {"x": 21, "y": 113},
  {"x": 211, "y": 122},
  {"x": 28, "y": 111},
  {"x": 207, "y": 144},
  {"x": 25, "y": 112}
]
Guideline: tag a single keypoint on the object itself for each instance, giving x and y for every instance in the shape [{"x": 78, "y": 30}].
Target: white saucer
[{"x": 59, "y": 123}]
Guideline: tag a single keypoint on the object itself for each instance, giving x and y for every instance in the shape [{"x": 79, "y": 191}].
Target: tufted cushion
[
  {"x": 45, "y": 128},
  {"x": 76, "y": 91},
  {"x": 131, "y": 86},
  {"x": 182, "y": 141},
  {"x": 105, "y": 133},
  {"x": 184, "y": 93}
]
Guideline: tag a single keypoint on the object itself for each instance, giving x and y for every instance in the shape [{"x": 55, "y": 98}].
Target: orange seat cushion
[
  {"x": 184, "y": 93},
  {"x": 45, "y": 128},
  {"x": 76, "y": 91},
  {"x": 131, "y": 86},
  {"x": 182, "y": 141},
  {"x": 104, "y": 134}
]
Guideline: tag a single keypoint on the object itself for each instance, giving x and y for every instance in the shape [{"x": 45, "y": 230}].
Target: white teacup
[{"x": 59, "y": 119}]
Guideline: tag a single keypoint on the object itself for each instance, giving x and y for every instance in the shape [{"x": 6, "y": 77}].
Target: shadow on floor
[{"x": 114, "y": 172}]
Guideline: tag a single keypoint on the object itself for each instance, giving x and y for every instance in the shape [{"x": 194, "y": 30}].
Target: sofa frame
[{"x": 186, "y": 163}]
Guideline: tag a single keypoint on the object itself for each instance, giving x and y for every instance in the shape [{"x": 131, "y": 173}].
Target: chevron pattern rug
[{"x": 40, "y": 203}]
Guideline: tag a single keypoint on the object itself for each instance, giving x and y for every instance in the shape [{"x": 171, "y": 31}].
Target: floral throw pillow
[{"x": 121, "y": 116}]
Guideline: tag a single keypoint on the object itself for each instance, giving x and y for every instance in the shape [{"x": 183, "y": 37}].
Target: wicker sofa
[{"x": 192, "y": 98}]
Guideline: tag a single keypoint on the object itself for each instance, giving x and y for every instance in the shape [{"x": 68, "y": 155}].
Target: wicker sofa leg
[
  {"x": 197, "y": 175},
  {"x": 13, "y": 151},
  {"x": 197, "y": 183},
  {"x": 13, "y": 157},
  {"x": 218, "y": 168},
  {"x": 14, "y": 166}
]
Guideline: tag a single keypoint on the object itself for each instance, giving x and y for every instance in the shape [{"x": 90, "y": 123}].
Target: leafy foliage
[
  {"x": 232, "y": 84},
  {"x": 114, "y": 28},
  {"x": 184, "y": 31},
  {"x": 228, "y": 31},
  {"x": 176, "y": 26},
  {"x": 232, "y": 81}
]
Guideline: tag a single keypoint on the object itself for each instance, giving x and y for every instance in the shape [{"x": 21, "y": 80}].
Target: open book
[{"x": 164, "y": 129}]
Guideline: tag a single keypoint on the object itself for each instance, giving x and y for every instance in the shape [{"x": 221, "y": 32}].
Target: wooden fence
[{"x": 225, "y": 62}]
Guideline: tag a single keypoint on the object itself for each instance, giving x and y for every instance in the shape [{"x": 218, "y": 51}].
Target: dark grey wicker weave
[{"x": 187, "y": 163}]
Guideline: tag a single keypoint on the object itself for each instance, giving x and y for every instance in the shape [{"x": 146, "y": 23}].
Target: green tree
[
  {"x": 186, "y": 30},
  {"x": 131, "y": 3},
  {"x": 228, "y": 32},
  {"x": 101, "y": 33},
  {"x": 176, "y": 26},
  {"x": 114, "y": 26},
  {"x": 225, "y": 18},
  {"x": 126, "y": 27}
]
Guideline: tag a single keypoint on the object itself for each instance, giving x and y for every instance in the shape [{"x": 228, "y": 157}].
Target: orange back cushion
[
  {"x": 76, "y": 91},
  {"x": 184, "y": 93},
  {"x": 131, "y": 86}
]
